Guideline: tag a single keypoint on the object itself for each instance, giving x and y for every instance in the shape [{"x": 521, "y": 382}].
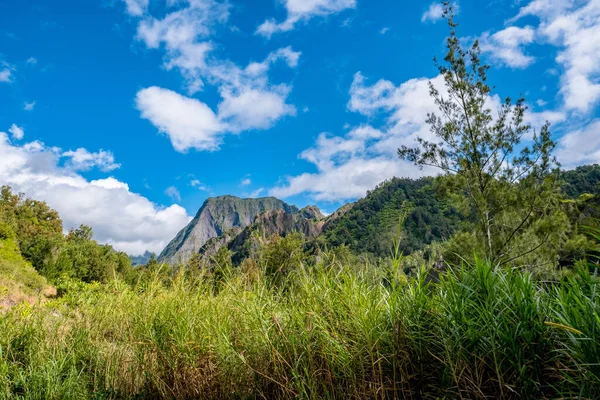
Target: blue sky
[{"x": 127, "y": 114}]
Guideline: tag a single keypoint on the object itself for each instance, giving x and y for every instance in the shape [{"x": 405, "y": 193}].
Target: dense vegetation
[
  {"x": 485, "y": 285},
  {"x": 372, "y": 223},
  {"x": 37, "y": 230},
  {"x": 581, "y": 180}
]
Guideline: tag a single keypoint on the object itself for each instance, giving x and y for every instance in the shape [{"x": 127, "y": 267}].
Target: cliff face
[
  {"x": 217, "y": 216},
  {"x": 242, "y": 242}
]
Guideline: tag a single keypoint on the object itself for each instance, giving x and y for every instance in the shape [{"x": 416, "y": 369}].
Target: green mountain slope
[
  {"x": 581, "y": 180},
  {"x": 372, "y": 222}
]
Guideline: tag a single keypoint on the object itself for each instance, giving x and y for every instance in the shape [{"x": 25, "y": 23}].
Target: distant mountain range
[{"x": 367, "y": 226}]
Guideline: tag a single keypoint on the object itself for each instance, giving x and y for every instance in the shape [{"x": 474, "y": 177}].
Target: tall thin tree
[{"x": 485, "y": 152}]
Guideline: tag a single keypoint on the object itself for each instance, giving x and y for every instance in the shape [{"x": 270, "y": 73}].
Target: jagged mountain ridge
[
  {"x": 367, "y": 226},
  {"x": 217, "y": 216},
  {"x": 242, "y": 242}
]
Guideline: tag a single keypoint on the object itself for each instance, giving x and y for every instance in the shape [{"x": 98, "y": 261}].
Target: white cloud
[
  {"x": 434, "y": 13},
  {"x": 185, "y": 34},
  {"x": 349, "y": 180},
  {"x": 574, "y": 27},
  {"x": 255, "y": 194},
  {"x": 173, "y": 193},
  {"x": 246, "y": 182},
  {"x": 188, "y": 122},
  {"x": 303, "y": 10},
  {"x": 350, "y": 165},
  {"x": 580, "y": 147},
  {"x": 17, "y": 132},
  {"x": 195, "y": 183},
  {"x": 29, "y": 106},
  {"x": 254, "y": 108},
  {"x": 31, "y": 60},
  {"x": 136, "y": 8},
  {"x": 127, "y": 220},
  {"x": 5, "y": 75},
  {"x": 259, "y": 69},
  {"x": 83, "y": 160},
  {"x": 385, "y": 30},
  {"x": 248, "y": 99},
  {"x": 365, "y": 132},
  {"x": 506, "y": 46}
]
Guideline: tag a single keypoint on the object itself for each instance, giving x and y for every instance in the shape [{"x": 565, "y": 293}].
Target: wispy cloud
[
  {"x": 173, "y": 193},
  {"x": 302, "y": 11}
]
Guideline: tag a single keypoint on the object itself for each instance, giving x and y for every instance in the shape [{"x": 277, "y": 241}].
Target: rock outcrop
[{"x": 216, "y": 217}]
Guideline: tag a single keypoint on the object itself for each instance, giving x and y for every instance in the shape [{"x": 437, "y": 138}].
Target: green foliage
[
  {"x": 37, "y": 230},
  {"x": 18, "y": 279},
  {"x": 582, "y": 180},
  {"x": 82, "y": 258},
  {"x": 281, "y": 256},
  {"x": 372, "y": 223}
]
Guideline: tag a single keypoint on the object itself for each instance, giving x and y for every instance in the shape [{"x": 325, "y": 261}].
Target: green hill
[
  {"x": 19, "y": 281},
  {"x": 372, "y": 223}
]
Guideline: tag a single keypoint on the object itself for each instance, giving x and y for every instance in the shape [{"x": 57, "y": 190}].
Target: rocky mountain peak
[{"x": 217, "y": 216}]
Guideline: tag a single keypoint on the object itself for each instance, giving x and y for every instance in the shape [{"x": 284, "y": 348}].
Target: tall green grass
[{"x": 331, "y": 331}]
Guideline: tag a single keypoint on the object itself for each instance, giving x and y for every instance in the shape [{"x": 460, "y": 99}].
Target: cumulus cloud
[
  {"x": 195, "y": 183},
  {"x": 254, "y": 108},
  {"x": 84, "y": 160},
  {"x": 17, "y": 132},
  {"x": 507, "y": 46},
  {"x": 303, "y": 10},
  {"x": 173, "y": 193},
  {"x": 581, "y": 146},
  {"x": 573, "y": 27},
  {"x": 248, "y": 99},
  {"x": 349, "y": 165},
  {"x": 255, "y": 194},
  {"x": 434, "y": 13},
  {"x": 188, "y": 122},
  {"x": 127, "y": 220}
]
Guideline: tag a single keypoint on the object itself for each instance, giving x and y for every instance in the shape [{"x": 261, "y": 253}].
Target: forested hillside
[
  {"x": 406, "y": 208},
  {"x": 581, "y": 180}
]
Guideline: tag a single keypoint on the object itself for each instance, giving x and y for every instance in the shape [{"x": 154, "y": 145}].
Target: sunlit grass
[{"x": 332, "y": 331}]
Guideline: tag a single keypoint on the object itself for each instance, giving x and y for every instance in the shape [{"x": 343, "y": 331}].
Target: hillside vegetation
[
  {"x": 371, "y": 224},
  {"x": 19, "y": 281}
]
